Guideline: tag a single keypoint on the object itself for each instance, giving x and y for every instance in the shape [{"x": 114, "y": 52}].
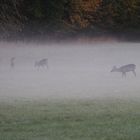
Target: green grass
[{"x": 70, "y": 120}]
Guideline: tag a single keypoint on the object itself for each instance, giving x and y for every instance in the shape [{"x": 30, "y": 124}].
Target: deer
[
  {"x": 42, "y": 63},
  {"x": 12, "y": 62},
  {"x": 124, "y": 69}
]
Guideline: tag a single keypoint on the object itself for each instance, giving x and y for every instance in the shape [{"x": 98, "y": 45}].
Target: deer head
[{"x": 114, "y": 69}]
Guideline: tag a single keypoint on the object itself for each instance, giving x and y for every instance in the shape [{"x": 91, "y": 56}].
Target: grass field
[
  {"x": 102, "y": 119},
  {"x": 77, "y": 98}
]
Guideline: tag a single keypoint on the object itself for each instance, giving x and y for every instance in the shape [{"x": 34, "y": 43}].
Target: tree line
[{"x": 68, "y": 18}]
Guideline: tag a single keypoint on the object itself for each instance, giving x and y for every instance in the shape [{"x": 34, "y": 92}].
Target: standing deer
[
  {"x": 12, "y": 62},
  {"x": 41, "y": 63},
  {"x": 124, "y": 69}
]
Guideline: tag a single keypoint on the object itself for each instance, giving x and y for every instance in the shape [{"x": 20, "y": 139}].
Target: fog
[{"x": 75, "y": 71}]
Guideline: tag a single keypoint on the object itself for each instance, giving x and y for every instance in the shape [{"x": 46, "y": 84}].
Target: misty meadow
[{"x": 69, "y": 70}]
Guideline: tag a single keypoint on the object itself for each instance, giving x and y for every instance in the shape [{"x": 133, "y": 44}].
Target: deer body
[
  {"x": 125, "y": 68},
  {"x": 12, "y": 62},
  {"x": 42, "y": 63}
]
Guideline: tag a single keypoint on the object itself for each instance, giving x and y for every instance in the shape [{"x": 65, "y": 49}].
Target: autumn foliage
[{"x": 43, "y": 18}]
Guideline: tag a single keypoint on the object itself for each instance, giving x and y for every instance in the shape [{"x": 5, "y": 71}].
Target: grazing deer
[
  {"x": 41, "y": 63},
  {"x": 12, "y": 62},
  {"x": 124, "y": 69}
]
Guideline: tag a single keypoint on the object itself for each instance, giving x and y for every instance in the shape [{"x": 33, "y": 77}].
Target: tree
[
  {"x": 118, "y": 14},
  {"x": 10, "y": 17},
  {"x": 81, "y": 12}
]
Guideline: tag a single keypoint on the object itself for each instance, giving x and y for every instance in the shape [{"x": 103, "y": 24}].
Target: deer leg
[
  {"x": 37, "y": 67},
  {"x": 47, "y": 65},
  {"x": 123, "y": 74},
  {"x": 134, "y": 73}
]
